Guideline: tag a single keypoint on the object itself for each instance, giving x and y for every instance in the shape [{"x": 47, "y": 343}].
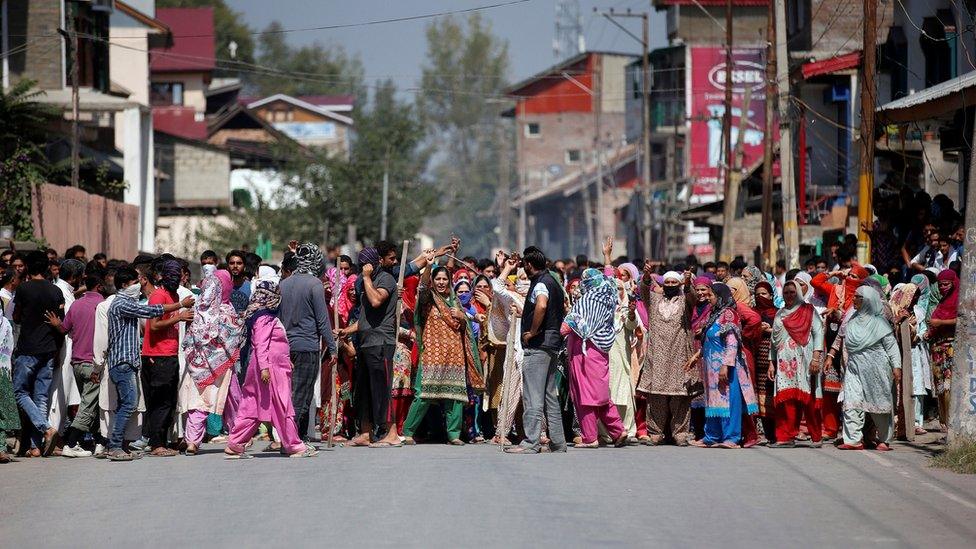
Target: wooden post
[
  {"x": 731, "y": 198},
  {"x": 865, "y": 199},
  {"x": 767, "y": 183},
  {"x": 333, "y": 374},
  {"x": 791, "y": 236}
]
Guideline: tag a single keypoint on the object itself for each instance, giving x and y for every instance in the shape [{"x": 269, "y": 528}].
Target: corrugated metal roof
[
  {"x": 939, "y": 99},
  {"x": 193, "y": 41}
]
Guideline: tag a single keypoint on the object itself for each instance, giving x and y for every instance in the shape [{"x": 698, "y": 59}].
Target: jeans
[
  {"x": 32, "y": 375},
  {"x": 124, "y": 377},
  {"x": 540, "y": 396}
]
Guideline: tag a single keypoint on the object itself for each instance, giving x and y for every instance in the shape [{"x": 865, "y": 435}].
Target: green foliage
[
  {"x": 466, "y": 69},
  {"x": 229, "y": 25},
  {"x": 318, "y": 69},
  {"x": 241, "y": 198},
  {"x": 320, "y": 191}
]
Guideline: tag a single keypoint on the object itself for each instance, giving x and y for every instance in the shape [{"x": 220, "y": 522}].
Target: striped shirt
[{"x": 123, "y": 329}]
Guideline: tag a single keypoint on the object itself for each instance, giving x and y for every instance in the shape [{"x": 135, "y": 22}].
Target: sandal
[
  {"x": 385, "y": 444},
  {"x": 409, "y": 441},
  {"x": 119, "y": 455},
  {"x": 699, "y": 444},
  {"x": 456, "y": 442},
  {"x": 273, "y": 447},
  {"x": 308, "y": 452},
  {"x": 235, "y": 455},
  {"x": 191, "y": 450},
  {"x": 920, "y": 431},
  {"x": 586, "y": 445},
  {"x": 728, "y": 445}
]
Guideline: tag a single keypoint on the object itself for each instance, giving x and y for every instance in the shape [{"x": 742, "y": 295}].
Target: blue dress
[{"x": 722, "y": 429}]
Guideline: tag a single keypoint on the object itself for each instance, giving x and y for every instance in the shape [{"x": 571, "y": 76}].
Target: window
[
  {"x": 532, "y": 129},
  {"x": 573, "y": 156},
  {"x": 166, "y": 93}
]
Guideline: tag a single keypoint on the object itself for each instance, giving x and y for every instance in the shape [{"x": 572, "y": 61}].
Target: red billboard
[{"x": 707, "y": 90}]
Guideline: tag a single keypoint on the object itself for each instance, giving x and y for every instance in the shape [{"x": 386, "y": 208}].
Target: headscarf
[
  {"x": 740, "y": 290},
  {"x": 882, "y": 283},
  {"x": 338, "y": 281},
  {"x": 765, "y": 305},
  {"x": 213, "y": 339},
  {"x": 368, "y": 256},
  {"x": 467, "y": 303},
  {"x": 346, "y": 304},
  {"x": 922, "y": 283},
  {"x": 673, "y": 275},
  {"x": 267, "y": 273},
  {"x": 797, "y": 320},
  {"x": 903, "y": 298},
  {"x": 702, "y": 311},
  {"x": 866, "y": 326},
  {"x": 948, "y": 307},
  {"x": 477, "y": 304},
  {"x": 807, "y": 281},
  {"x": 755, "y": 279},
  {"x": 724, "y": 302},
  {"x": 265, "y": 299},
  {"x": 226, "y": 285},
  {"x": 309, "y": 259},
  {"x": 461, "y": 274},
  {"x": 170, "y": 274},
  {"x": 632, "y": 269},
  {"x": 592, "y": 316}
]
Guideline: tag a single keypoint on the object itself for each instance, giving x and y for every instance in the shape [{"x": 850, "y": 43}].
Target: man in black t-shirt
[
  {"x": 37, "y": 348},
  {"x": 542, "y": 316},
  {"x": 377, "y": 328}
]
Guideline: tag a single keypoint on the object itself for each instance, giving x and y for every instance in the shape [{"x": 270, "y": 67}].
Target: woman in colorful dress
[
  {"x": 700, "y": 313},
  {"x": 212, "y": 345},
  {"x": 795, "y": 367},
  {"x": 266, "y": 395},
  {"x": 508, "y": 293},
  {"x": 916, "y": 381},
  {"x": 9, "y": 417},
  {"x": 873, "y": 365},
  {"x": 448, "y": 356},
  {"x": 664, "y": 379},
  {"x": 626, "y": 324},
  {"x": 766, "y": 307},
  {"x": 472, "y": 412},
  {"x": 728, "y": 390},
  {"x": 941, "y": 336},
  {"x": 590, "y": 331},
  {"x": 752, "y": 335},
  {"x": 348, "y": 309}
]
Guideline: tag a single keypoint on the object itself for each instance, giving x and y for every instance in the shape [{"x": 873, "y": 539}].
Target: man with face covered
[
  {"x": 160, "y": 350},
  {"x": 664, "y": 378}
]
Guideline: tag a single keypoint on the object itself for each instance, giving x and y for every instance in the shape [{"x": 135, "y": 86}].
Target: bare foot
[{"x": 361, "y": 440}]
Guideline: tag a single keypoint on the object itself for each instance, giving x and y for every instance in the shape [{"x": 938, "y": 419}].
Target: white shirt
[{"x": 938, "y": 262}]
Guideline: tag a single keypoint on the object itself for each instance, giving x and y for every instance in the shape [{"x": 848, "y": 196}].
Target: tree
[
  {"x": 467, "y": 66},
  {"x": 317, "y": 69},
  {"x": 229, "y": 26},
  {"x": 319, "y": 190}
]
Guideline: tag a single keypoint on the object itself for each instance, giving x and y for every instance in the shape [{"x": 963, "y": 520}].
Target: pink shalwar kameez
[
  {"x": 589, "y": 385},
  {"x": 270, "y": 401}
]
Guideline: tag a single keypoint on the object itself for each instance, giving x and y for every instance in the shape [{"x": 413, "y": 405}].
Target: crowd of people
[{"x": 120, "y": 360}]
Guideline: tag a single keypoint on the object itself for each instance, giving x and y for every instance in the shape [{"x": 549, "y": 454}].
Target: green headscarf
[{"x": 867, "y": 326}]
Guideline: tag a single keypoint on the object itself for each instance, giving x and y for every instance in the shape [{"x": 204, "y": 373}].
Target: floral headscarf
[
  {"x": 213, "y": 339},
  {"x": 265, "y": 299}
]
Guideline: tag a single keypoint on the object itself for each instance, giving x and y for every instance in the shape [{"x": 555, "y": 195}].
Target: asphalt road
[{"x": 442, "y": 496}]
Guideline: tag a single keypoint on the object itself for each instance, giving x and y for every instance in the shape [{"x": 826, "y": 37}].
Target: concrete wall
[
  {"x": 199, "y": 175},
  {"x": 64, "y": 216},
  {"x": 127, "y": 67},
  {"x": 185, "y": 235},
  {"x": 559, "y": 133}
]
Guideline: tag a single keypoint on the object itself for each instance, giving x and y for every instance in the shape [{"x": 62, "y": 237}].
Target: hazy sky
[{"x": 397, "y": 50}]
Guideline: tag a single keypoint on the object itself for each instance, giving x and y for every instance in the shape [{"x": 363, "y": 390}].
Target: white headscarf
[{"x": 673, "y": 275}]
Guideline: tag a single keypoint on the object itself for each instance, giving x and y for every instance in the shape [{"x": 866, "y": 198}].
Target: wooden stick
[
  {"x": 333, "y": 400},
  {"x": 403, "y": 271}
]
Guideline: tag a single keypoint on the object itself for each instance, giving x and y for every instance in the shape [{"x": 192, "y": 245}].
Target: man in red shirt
[{"x": 160, "y": 350}]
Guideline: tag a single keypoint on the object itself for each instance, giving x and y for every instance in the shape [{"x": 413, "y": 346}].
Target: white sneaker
[
  {"x": 100, "y": 451},
  {"x": 75, "y": 451}
]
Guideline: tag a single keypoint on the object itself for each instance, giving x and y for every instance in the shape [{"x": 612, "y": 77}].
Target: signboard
[
  {"x": 307, "y": 130},
  {"x": 707, "y": 99}
]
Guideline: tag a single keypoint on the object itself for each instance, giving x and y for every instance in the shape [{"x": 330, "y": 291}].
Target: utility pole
[
  {"x": 729, "y": 207},
  {"x": 597, "y": 98},
  {"x": 504, "y": 188},
  {"x": 735, "y": 180},
  {"x": 767, "y": 183},
  {"x": 75, "y": 136},
  {"x": 386, "y": 200},
  {"x": 791, "y": 237},
  {"x": 865, "y": 199},
  {"x": 962, "y": 393},
  {"x": 591, "y": 246},
  {"x": 645, "y": 191}
]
